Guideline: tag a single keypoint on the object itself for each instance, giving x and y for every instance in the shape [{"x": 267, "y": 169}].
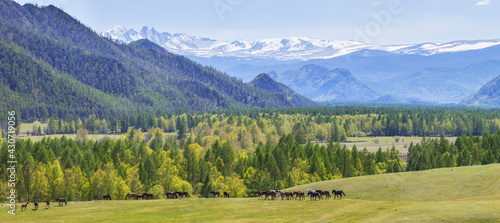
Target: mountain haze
[{"x": 321, "y": 84}]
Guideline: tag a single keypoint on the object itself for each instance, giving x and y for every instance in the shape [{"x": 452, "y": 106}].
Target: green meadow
[{"x": 464, "y": 194}]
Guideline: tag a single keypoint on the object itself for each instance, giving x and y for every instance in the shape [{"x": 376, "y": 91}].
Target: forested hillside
[
  {"x": 52, "y": 65},
  {"x": 265, "y": 82},
  {"x": 239, "y": 152}
]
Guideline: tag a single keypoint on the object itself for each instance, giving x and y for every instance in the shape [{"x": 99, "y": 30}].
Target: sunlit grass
[{"x": 466, "y": 194}]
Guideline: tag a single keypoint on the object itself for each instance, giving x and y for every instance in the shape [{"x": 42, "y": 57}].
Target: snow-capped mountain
[{"x": 283, "y": 49}]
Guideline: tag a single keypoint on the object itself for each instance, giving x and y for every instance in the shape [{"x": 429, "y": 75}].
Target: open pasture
[
  {"x": 465, "y": 194},
  {"x": 373, "y": 143}
]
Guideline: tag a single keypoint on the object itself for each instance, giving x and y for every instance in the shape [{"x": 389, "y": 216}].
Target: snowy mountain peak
[{"x": 284, "y": 48}]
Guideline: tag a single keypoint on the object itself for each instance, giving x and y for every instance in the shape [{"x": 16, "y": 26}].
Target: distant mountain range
[
  {"x": 321, "y": 84},
  {"x": 282, "y": 49},
  {"x": 428, "y": 72}
]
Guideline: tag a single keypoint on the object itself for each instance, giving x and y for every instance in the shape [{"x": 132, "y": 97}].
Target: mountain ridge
[
  {"x": 265, "y": 82},
  {"x": 284, "y": 48},
  {"x": 487, "y": 95},
  {"x": 323, "y": 85}
]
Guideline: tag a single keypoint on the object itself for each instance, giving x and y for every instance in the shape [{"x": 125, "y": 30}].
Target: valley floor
[
  {"x": 479, "y": 209},
  {"x": 465, "y": 194}
]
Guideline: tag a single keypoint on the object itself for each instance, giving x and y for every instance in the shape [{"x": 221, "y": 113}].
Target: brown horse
[
  {"x": 299, "y": 194},
  {"x": 130, "y": 195},
  {"x": 61, "y": 200},
  {"x": 171, "y": 194},
  {"x": 324, "y": 192},
  {"x": 24, "y": 206},
  {"x": 106, "y": 197},
  {"x": 286, "y": 195},
  {"x": 260, "y": 193},
  {"x": 271, "y": 194}
]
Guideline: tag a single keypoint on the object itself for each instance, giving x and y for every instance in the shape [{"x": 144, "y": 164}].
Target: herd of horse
[
  {"x": 312, "y": 194},
  {"x": 217, "y": 193},
  {"x": 135, "y": 196},
  {"x": 60, "y": 200},
  {"x": 265, "y": 195}
]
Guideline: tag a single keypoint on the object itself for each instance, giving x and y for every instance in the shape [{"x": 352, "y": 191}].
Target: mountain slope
[
  {"x": 321, "y": 84},
  {"x": 265, "y": 82},
  {"x": 140, "y": 76},
  {"x": 443, "y": 85},
  {"x": 489, "y": 94}
]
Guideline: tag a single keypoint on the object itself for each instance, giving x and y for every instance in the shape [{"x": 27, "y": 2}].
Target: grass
[
  {"x": 72, "y": 136},
  {"x": 386, "y": 142},
  {"x": 467, "y": 194}
]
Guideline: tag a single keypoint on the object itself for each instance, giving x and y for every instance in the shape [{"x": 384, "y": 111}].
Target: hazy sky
[{"x": 375, "y": 21}]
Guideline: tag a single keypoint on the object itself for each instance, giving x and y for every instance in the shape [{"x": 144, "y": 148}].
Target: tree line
[
  {"x": 82, "y": 169},
  {"x": 318, "y": 124}
]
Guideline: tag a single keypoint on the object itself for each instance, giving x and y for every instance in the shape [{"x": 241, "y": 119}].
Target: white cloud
[
  {"x": 484, "y": 2},
  {"x": 376, "y": 3}
]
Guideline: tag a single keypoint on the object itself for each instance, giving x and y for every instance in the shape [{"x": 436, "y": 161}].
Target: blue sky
[{"x": 374, "y": 21}]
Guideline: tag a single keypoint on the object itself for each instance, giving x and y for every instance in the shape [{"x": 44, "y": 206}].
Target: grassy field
[
  {"x": 467, "y": 194},
  {"x": 72, "y": 136},
  {"x": 373, "y": 143}
]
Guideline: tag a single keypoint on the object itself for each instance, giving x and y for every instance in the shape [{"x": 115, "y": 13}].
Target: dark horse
[
  {"x": 147, "y": 196},
  {"x": 137, "y": 196},
  {"x": 36, "y": 205},
  {"x": 226, "y": 194},
  {"x": 183, "y": 194},
  {"x": 299, "y": 194},
  {"x": 171, "y": 194},
  {"x": 61, "y": 200},
  {"x": 130, "y": 195},
  {"x": 24, "y": 206},
  {"x": 106, "y": 197},
  {"x": 338, "y": 193},
  {"x": 314, "y": 195},
  {"x": 48, "y": 204},
  {"x": 215, "y": 193}
]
